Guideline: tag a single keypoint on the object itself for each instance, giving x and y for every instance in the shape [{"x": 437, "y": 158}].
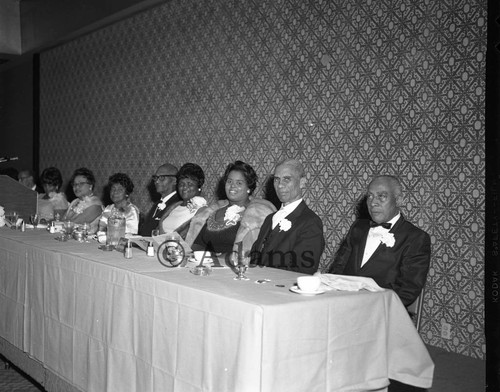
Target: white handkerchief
[{"x": 348, "y": 283}]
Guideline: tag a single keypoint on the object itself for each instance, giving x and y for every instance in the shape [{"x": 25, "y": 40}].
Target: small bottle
[
  {"x": 151, "y": 250},
  {"x": 85, "y": 231},
  {"x": 23, "y": 226},
  {"x": 128, "y": 250}
]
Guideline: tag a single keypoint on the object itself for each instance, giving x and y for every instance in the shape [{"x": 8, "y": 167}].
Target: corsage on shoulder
[
  {"x": 232, "y": 215},
  {"x": 285, "y": 224},
  {"x": 195, "y": 203}
]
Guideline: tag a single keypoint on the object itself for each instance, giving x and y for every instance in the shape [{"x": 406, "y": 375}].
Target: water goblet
[
  {"x": 34, "y": 219},
  {"x": 240, "y": 269}
]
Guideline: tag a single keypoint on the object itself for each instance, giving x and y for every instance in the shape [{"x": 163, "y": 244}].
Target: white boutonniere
[
  {"x": 195, "y": 203},
  {"x": 388, "y": 239},
  {"x": 232, "y": 215},
  {"x": 285, "y": 224},
  {"x": 161, "y": 206}
]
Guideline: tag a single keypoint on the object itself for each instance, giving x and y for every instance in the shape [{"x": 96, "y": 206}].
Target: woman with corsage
[
  {"x": 52, "y": 203},
  {"x": 190, "y": 179},
  {"x": 120, "y": 188},
  {"x": 87, "y": 207},
  {"x": 230, "y": 227}
]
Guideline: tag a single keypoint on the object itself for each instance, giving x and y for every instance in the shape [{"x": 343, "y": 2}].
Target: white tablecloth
[{"x": 106, "y": 323}]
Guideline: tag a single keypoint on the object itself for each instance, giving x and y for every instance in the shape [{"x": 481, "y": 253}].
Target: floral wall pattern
[{"x": 351, "y": 88}]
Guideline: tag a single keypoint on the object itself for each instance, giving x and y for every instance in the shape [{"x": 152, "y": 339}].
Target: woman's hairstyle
[
  {"x": 193, "y": 172},
  {"x": 84, "y": 172},
  {"x": 51, "y": 176},
  {"x": 123, "y": 180},
  {"x": 247, "y": 171}
]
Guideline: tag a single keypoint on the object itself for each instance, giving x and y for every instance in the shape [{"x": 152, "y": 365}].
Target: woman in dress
[
  {"x": 87, "y": 207},
  {"x": 190, "y": 179},
  {"x": 120, "y": 187},
  {"x": 52, "y": 204},
  {"x": 231, "y": 226}
]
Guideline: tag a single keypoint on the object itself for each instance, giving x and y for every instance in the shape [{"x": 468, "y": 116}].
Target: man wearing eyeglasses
[
  {"x": 387, "y": 248},
  {"x": 165, "y": 184}
]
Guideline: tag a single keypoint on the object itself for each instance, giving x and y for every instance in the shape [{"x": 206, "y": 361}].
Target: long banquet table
[{"x": 100, "y": 322}]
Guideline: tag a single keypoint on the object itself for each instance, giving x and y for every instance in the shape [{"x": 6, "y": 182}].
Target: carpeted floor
[
  {"x": 12, "y": 380},
  {"x": 453, "y": 373}
]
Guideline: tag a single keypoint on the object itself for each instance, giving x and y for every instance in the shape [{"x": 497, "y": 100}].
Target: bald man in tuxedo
[
  {"x": 387, "y": 248},
  {"x": 291, "y": 238}
]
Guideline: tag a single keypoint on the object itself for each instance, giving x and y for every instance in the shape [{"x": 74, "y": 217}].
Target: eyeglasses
[
  {"x": 75, "y": 184},
  {"x": 161, "y": 177}
]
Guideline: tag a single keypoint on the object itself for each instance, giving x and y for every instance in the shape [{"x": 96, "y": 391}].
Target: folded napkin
[{"x": 348, "y": 283}]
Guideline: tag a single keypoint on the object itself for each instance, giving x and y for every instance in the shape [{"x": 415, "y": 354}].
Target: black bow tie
[{"x": 385, "y": 225}]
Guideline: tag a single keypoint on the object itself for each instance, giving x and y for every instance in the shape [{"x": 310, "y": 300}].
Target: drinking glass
[
  {"x": 34, "y": 219},
  {"x": 68, "y": 228},
  {"x": 240, "y": 269}
]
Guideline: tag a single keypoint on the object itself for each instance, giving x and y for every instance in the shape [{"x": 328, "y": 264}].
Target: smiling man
[
  {"x": 387, "y": 248},
  {"x": 165, "y": 183},
  {"x": 292, "y": 238}
]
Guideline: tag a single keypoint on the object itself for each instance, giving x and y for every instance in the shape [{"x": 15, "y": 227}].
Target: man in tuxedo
[
  {"x": 388, "y": 248},
  {"x": 166, "y": 185},
  {"x": 291, "y": 238}
]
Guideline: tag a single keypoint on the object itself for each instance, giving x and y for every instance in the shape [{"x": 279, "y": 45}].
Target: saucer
[{"x": 295, "y": 289}]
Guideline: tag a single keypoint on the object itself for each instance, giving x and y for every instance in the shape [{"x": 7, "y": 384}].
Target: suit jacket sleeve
[
  {"x": 414, "y": 268},
  {"x": 342, "y": 256}
]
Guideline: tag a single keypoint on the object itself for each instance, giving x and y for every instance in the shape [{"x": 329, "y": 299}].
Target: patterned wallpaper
[{"x": 351, "y": 88}]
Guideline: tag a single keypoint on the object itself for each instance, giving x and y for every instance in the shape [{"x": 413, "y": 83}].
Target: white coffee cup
[
  {"x": 308, "y": 283},
  {"x": 202, "y": 255}
]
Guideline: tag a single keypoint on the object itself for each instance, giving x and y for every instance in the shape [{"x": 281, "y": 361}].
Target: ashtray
[{"x": 201, "y": 270}]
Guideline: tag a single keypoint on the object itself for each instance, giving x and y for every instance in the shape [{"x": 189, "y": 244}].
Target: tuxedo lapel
[
  {"x": 361, "y": 246},
  {"x": 393, "y": 229},
  {"x": 276, "y": 234}
]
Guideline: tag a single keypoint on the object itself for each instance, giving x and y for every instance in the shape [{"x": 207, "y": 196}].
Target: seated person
[
  {"x": 231, "y": 226},
  {"x": 120, "y": 188},
  {"x": 177, "y": 216},
  {"x": 164, "y": 181},
  {"x": 292, "y": 238},
  {"x": 51, "y": 204},
  {"x": 388, "y": 248},
  {"x": 86, "y": 208},
  {"x": 27, "y": 178}
]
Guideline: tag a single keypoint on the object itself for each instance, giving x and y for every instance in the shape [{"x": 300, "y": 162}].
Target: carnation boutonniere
[
  {"x": 161, "y": 206},
  {"x": 196, "y": 203},
  {"x": 285, "y": 224},
  {"x": 232, "y": 215},
  {"x": 388, "y": 239}
]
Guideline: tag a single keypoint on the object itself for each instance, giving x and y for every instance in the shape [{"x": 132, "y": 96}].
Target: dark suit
[
  {"x": 402, "y": 267},
  {"x": 298, "y": 249},
  {"x": 154, "y": 216}
]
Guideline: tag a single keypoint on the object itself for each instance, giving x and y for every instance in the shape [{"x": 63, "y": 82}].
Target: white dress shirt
[
  {"x": 163, "y": 200},
  {"x": 374, "y": 238},
  {"x": 284, "y": 211}
]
